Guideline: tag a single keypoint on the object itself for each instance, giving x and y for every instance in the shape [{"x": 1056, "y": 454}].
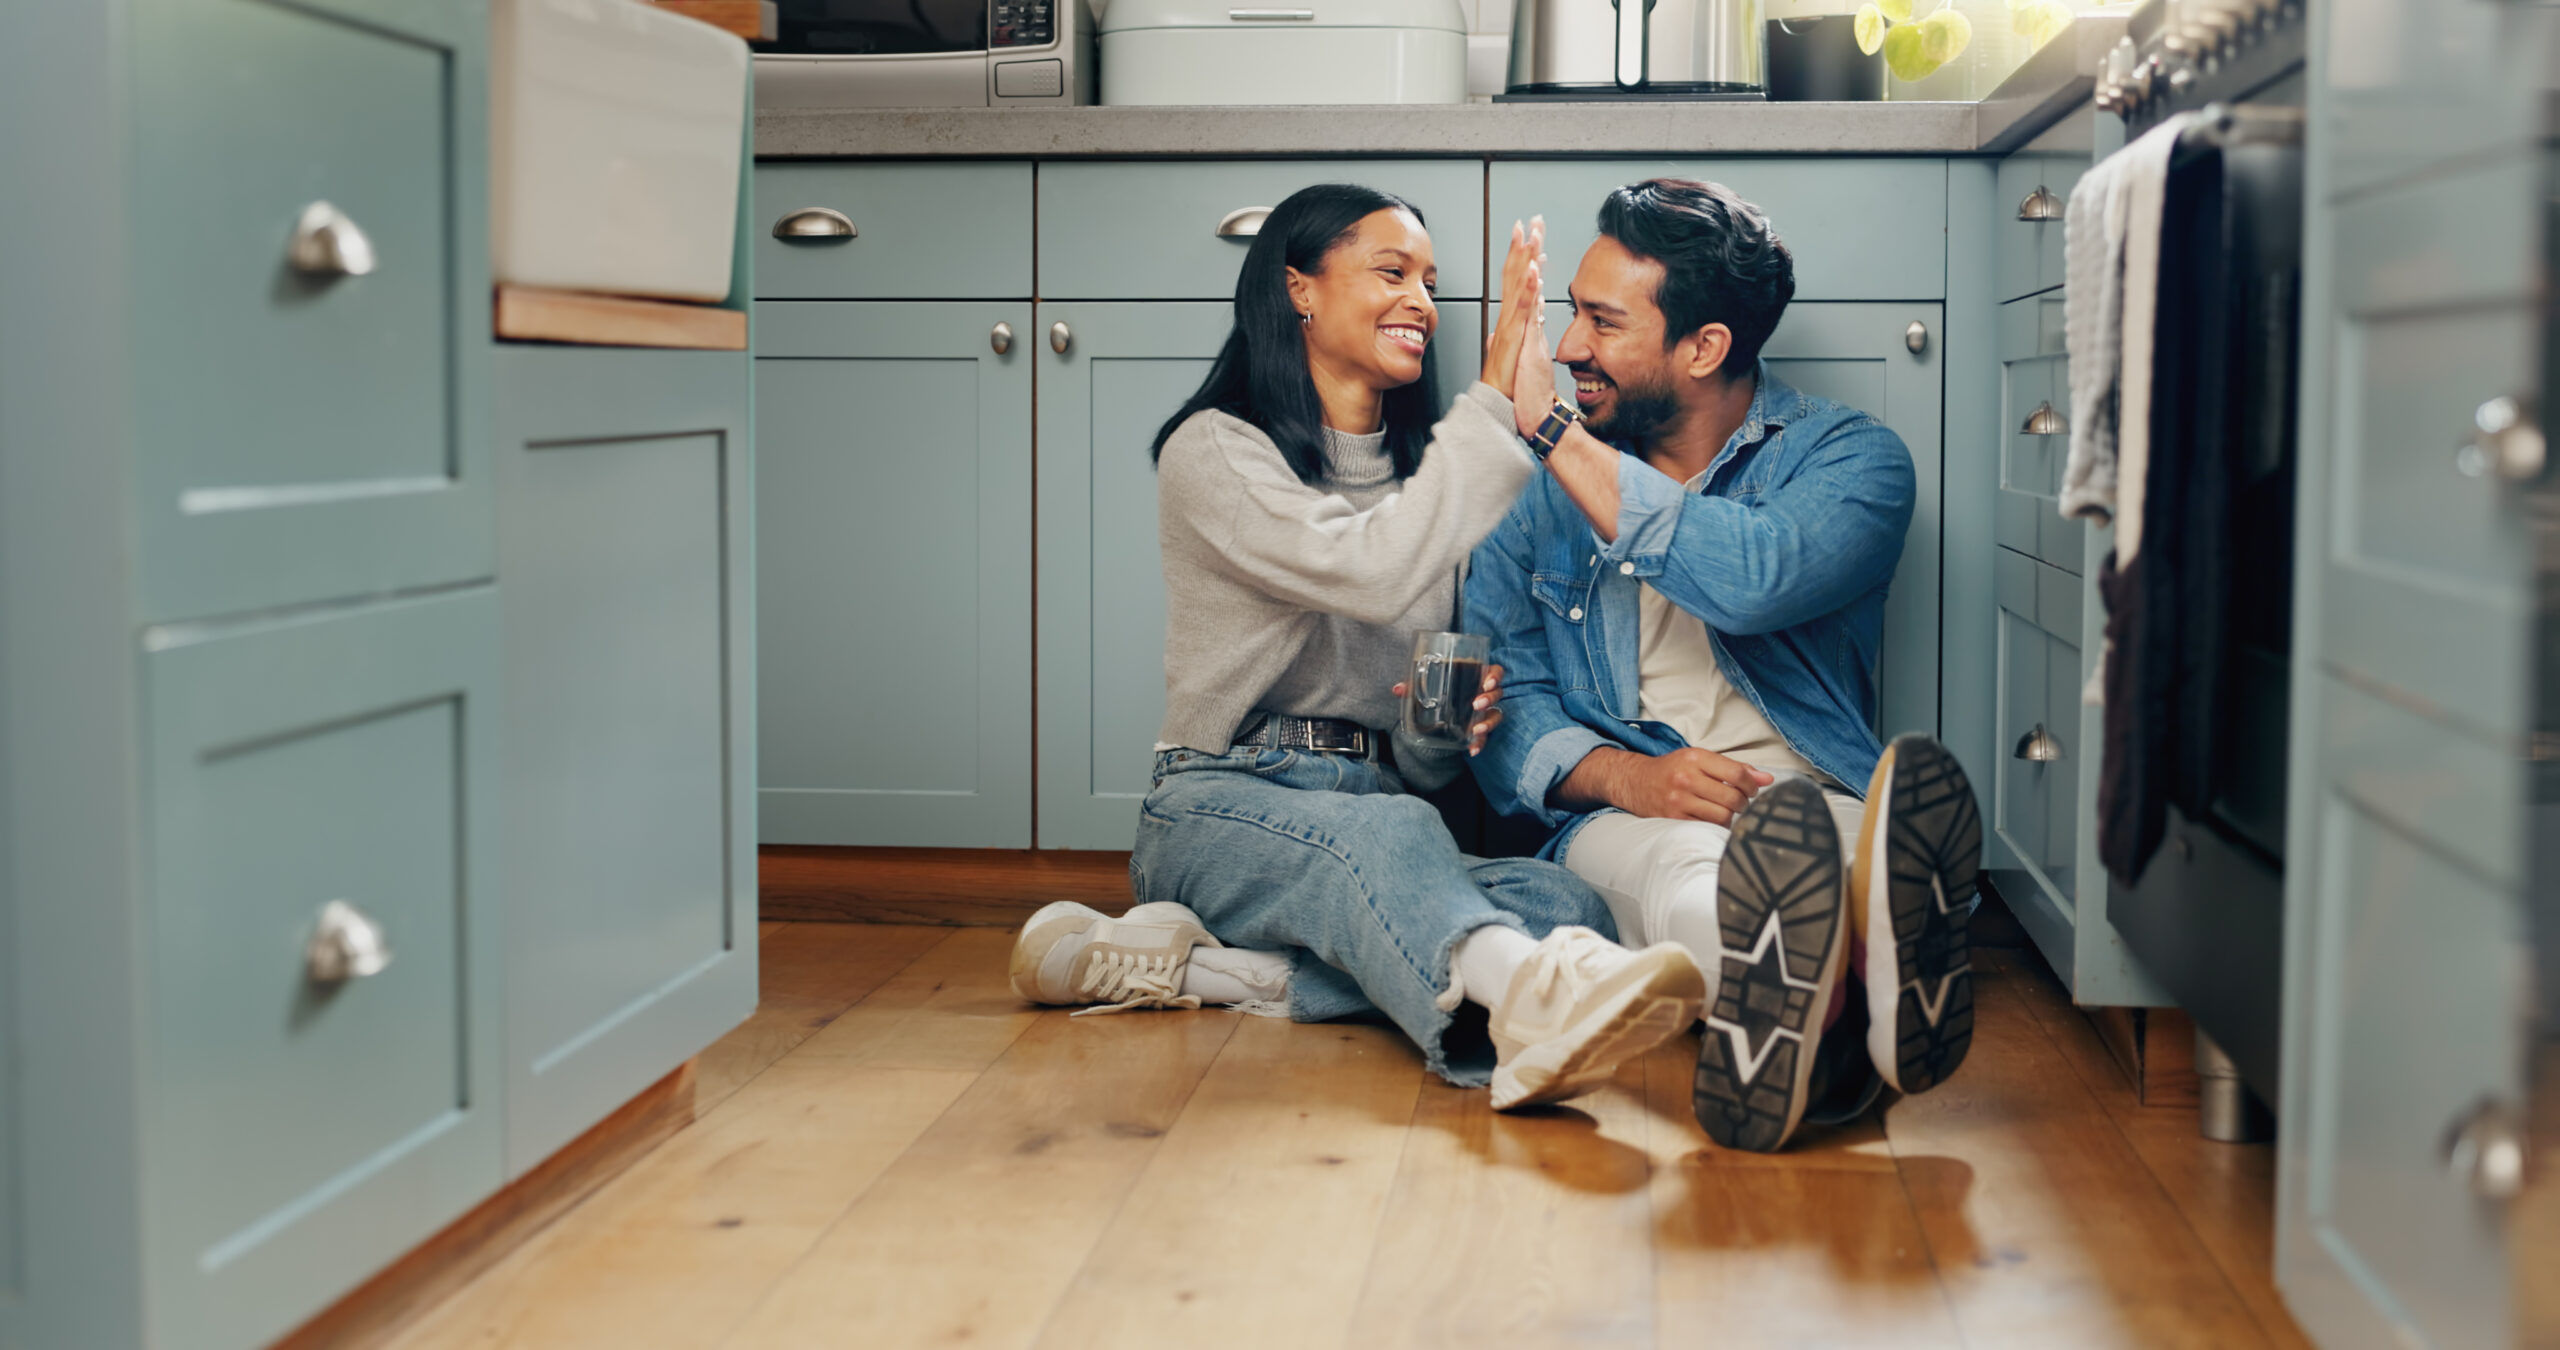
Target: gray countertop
[{"x": 2051, "y": 83}]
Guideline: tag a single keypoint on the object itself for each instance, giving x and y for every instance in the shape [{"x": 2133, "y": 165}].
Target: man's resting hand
[{"x": 1688, "y": 784}]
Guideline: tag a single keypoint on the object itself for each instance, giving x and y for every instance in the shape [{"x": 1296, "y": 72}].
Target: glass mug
[{"x": 1441, "y": 687}]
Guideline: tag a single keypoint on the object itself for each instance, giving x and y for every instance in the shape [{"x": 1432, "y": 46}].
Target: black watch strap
[{"x": 1560, "y": 417}]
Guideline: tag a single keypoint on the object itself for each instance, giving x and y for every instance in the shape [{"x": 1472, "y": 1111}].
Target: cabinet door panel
[
  {"x": 624, "y": 543},
  {"x": 1859, "y": 229},
  {"x": 893, "y": 557},
  {"x": 934, "y": 231},
  {"x": 303, "y": 1134},
  {"x": 300, "y": 436},
  {"x": 1150, "y": 231},
  {"x": 1102, "y": 607}
]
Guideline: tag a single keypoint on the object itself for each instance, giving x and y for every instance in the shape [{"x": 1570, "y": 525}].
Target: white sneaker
[
  {"x": 1072, "y": 953},
  {"x": 1579, "y": 1007}
]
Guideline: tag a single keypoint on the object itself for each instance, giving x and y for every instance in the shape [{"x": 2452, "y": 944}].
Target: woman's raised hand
[{"x": 1511, "y": 326}]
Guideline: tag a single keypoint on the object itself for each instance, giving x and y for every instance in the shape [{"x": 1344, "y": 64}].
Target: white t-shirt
[{"x": 1679, "y": 684}]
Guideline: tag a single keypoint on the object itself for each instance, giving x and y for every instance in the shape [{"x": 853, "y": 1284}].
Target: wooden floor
[{"x": 896, "y": 1152}]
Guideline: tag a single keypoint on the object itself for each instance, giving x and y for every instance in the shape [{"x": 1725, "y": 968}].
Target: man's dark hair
[
  {"x": 1721, "y": 263},
  {"x": 1261, "y": 373}
]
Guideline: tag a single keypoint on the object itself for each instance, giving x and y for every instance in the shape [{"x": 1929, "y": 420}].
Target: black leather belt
[{"x": 1327, "y": 735}]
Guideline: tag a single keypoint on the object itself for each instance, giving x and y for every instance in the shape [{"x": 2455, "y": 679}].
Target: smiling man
[{"x": 1689, "y": 606}]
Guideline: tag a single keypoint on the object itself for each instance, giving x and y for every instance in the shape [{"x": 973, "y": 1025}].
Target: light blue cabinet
[
  {"x": 1114, "y": 231},
  {"x": 1857, "y": 355},
  {"x": 626, "y": 494},
  {"x": 1859, "y": 229},
  {"x": 301, "y": 435},
  {"x": 893, "y": 503},
  {"x": 941, "y": 231},
  {"x": 2409, "y": 835},
  {"x": 1101, "y": 580},
  {"x": 300, "y": 1133}
]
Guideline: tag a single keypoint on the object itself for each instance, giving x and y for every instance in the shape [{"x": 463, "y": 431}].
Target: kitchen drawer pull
[
  {"x": 346, "y": 944},
  {"x": 1243, "y": 223},
  {"x": 2039, "y": 746},
  {"x": 815, "y": 223},
  {"x": 326, "y": 243},
  {"x": 1916, "y": 337},
  {"x": 1001, "y": 338},
  {"x": 2044, "y": 421},
  {"x": 2486, "y": 1149},
  {"x": 2040, "y": 204},
  {"x": 1060, "y": 337}
]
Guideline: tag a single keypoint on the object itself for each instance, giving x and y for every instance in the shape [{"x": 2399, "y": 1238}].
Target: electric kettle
[{"x": 1670, "y": 49}]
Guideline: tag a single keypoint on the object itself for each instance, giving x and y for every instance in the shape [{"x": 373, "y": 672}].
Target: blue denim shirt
[{"x": 1785, "y": 552}]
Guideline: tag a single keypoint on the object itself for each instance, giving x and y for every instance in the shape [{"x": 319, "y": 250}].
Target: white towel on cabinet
[{"x": 2111, "y": 251}]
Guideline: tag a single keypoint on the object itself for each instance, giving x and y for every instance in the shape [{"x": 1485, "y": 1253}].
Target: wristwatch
[{"x": 1560, "y": 415}]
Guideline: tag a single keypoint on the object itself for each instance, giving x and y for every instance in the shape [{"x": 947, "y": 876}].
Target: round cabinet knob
[
  {"x": 1060, "y": 337},
  {"x": 2039, "y": 746},
  {"x": 2485, "y": 1148},
  {"x": 1000, "y": 337},
  {"x": 2505, "y": 441},
  {"x": 815, "y": 225},
  {"x": 346, "y": 944},
  {"x": 1916, "y": 337},
  {"x": 326, "y": 243},
  {"x": 2040, "y": 204},
  {"x": 1243, "y": 223},
  {"x": 2044, "y": 421}
]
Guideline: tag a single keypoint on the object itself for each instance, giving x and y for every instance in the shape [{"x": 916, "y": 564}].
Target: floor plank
[
  {"x": 676, "y": 1252},
  {"x": 2045, "y": 1227},
  {"x": 973, "y": 1235},
  {"x": 2227, "y": 1192},
  {"x": 809, "y": 974},
  {"x": 1817, "y": 1246},
  {"x": 1526, "y": 1229},
  {"x": 1254, "y": 1224}
]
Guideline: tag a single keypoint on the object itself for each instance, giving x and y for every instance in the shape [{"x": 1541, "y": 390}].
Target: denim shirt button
[
  {"x": 1626, "y": 569},
  {"x": 1575, "y": 614},
  {"x": 1595, "y": 560}
]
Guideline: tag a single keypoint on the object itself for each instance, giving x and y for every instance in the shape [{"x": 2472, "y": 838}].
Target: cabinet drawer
[
  {"x": 1859, "y": 229},
  {"x": 1150, "y": 231},
  {"x": 2031, "y": 250},
  {"x": 921, "y": 231},
  {"x": 303, "y": 1134},
  {"x": 304, "y": 431}
]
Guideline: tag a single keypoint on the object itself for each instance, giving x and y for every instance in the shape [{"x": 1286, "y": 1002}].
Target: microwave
[{"x": 927, "y": 54}]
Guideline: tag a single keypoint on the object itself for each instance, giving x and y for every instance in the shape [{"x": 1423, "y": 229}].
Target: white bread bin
[
  {"x": 615, "y": 130},
  {"x": 1283, "y": 51}
]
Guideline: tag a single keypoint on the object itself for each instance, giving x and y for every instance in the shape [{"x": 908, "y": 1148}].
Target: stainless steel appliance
[
  {"x": 1671, "y": 49},
  {"x": 927, "y": 54}
]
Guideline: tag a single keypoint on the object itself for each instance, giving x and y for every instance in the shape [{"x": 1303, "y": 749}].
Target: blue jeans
[{"x": 1329, "y": 857}]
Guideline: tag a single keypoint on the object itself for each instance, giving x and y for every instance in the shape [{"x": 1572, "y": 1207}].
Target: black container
[{"x": 1817, "y": 60}]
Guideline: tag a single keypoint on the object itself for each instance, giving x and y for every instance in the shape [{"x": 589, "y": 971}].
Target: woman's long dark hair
[{"x": 1261, "y": 374}]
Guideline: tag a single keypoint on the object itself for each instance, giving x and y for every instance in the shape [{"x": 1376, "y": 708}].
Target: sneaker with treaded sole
[
  {"x": 1580, "y": 1006},
  {"x": 1782, "y": 923},
  {"x": 1913, "y": 880},
  {"x": 1071, "y": 953}
]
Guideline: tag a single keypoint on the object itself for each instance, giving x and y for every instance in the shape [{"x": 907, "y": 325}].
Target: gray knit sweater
[{"x": 1304, "y": 599}]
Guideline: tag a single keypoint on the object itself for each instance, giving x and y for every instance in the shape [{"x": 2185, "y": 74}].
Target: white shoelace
[{"x": 1135, "y": 981}]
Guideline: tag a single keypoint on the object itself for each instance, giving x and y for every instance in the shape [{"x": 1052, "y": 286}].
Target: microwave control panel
[{"x": 1022, "y": 23}]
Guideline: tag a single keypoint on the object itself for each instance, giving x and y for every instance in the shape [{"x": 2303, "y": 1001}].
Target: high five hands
[{"x": 1516, "y": 357}]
